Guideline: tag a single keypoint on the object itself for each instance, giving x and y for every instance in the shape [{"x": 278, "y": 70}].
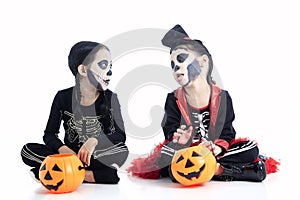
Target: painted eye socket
[
  {"x": 103, "y": 64},
  {"x": 172, "y": 64},
  {"x": 182, "y": 57}
]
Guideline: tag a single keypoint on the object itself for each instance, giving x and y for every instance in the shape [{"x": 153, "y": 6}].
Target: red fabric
[
  {"x": 145, "y": 167},
  {"x": 222, "y": 143},
  {"x": 237, "y": 140},
  {"x": 214, "y": 104},
  {"x": 215, "y": 100},
  {"x": 272, "y": 165}
]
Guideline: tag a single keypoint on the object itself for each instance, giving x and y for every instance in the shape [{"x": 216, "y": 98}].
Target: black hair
[{"x": 83, "y": 53}]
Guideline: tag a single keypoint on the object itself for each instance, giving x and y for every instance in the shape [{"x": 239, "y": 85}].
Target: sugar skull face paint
[
  {"x": 100, "y": 69},
  {"x": 185, "y": 66}
]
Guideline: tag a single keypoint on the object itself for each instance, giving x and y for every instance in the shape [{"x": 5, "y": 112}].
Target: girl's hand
[
  {"x": 215, "y": 149},
  {"x": 85, "y": 152},
  {"x": 182, "y": 136}
]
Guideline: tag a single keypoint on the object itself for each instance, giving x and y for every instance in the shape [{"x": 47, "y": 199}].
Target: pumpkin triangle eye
[
  {"x": 180, "y": 159},
  {"x": 195, "y": 154},
  {"x": 56, "y": 168},
  {"x": 189, "y": 164},
  {"x": 43, "y": 167}
]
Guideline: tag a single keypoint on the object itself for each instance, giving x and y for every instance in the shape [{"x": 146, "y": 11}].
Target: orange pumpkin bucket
[
  {"x": 193, "y": 166},
  {"x": 61, "y": 173}
]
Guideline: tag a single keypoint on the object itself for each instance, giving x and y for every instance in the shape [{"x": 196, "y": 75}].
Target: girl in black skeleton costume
[
  {"x": 91, "y": 117},
  {"x": 199, "y": 112}
]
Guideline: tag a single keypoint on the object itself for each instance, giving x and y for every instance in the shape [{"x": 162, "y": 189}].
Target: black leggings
[
  {"x": 240, "y": 153},
  {"x": 103, "y": 167}
]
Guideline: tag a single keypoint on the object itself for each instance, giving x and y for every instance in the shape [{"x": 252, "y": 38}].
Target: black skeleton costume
[{"x": 101, "y": 120}]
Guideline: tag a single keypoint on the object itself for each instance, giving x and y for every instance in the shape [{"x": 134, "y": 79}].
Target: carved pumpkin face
[
  {"x": 61, "y": 173},
  {"x": 193, "y": 166}
]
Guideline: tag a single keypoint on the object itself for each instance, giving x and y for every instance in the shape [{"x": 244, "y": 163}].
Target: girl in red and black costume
[{"x": 199, "y": 112}]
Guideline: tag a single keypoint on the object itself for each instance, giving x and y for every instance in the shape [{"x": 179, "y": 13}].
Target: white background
[{"x": 254, "y": 44}]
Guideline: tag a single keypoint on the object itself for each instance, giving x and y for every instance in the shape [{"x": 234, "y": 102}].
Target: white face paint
[
  {"x": 184, "y": 65},
  {"x": 101, "y": 67}
]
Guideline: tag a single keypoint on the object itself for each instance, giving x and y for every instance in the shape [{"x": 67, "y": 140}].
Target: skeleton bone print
[
  {"x": 201, "y": 119},
  {"x": 84, "y": 128}
]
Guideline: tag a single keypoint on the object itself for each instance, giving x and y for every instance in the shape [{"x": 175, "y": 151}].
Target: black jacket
[{"x": 103, "y": 118}]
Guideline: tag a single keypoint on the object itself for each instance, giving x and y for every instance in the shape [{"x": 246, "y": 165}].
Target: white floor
[
  {"x": 17, "y": 184},
  {"x": 278, "y": 185}
]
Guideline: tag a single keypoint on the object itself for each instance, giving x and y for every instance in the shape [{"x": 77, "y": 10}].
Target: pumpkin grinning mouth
[
  {"x": 192, "y": 174},
  {"x": 54, "y": 187}
]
